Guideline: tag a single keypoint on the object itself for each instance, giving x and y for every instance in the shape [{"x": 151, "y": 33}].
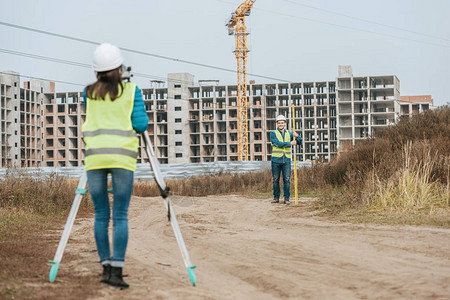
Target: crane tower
[{"x": 236, "y": 26}]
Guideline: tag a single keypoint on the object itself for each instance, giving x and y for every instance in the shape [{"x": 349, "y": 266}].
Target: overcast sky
[{"x": 292, "y": 40}]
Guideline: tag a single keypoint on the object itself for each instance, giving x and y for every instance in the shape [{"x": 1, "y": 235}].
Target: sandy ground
[{"x": 250, "y": 249}]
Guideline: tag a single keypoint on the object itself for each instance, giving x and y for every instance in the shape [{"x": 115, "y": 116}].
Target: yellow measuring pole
[{"x": 295, "y": 157}]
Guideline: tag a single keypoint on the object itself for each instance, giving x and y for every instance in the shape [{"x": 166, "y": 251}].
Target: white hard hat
[
  {"x": 281, "y": 118},
  {"x": 107, "y": 57}
]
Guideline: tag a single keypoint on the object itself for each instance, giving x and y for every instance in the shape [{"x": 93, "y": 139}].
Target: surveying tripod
[{"x": 164, "y": 190}]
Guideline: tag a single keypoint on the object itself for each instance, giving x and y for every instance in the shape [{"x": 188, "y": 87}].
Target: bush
[{"x": 407, "y": 165}]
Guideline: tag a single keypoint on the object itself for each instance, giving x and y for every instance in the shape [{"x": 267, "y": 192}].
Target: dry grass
[
  {"x": 25, "y": 199},
  {"x": 29, "y": 207},
  {"x": 404, "y": 169},
  {"x": 412, "y": 187},
  {"x": 210, "y": 185},
  {"x": 45, "y": 196}
]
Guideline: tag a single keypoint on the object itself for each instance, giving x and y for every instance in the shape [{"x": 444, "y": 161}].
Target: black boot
[
  {"x": 116, "y": 279},
  {"x": 106, "y": 274}
]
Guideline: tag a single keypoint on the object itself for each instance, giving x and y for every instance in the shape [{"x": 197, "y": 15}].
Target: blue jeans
[
  {"x": 277, "y": 168},
  {"x": 122, "y": 182}
]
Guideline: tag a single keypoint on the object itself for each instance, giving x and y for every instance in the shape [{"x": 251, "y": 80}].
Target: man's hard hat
[
  {"x": 107, "y": 57},
  {"x": 281, "y": 118}
]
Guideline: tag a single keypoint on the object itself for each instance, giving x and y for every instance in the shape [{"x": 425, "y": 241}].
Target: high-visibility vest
[
  {"x": 108, "y": 133},
  {"x": 280, "y": 151}
]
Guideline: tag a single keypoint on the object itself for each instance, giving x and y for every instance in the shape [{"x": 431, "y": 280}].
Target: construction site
[{"x": 191, "y": 122}]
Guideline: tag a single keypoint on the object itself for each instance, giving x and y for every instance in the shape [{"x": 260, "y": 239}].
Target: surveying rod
[
  {"x": 295, "y": 157},
  {"x": 170, "y": 214}
]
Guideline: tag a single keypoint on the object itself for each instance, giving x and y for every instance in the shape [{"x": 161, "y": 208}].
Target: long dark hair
[{"x": 107, "y": 83}]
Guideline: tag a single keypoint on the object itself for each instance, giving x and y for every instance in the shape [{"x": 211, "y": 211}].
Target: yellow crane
[{"x": 236, "y": 26}]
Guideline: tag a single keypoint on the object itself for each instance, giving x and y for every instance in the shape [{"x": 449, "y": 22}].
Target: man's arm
[{"x": 298, "y": 138}]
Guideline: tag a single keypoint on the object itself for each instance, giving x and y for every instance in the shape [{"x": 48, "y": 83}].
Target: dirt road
[{"x": 251, "y": 249}]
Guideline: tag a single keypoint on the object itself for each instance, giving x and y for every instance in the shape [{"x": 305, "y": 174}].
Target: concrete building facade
[
  {"x": 21, "y": 118},
  {"x": 365, "y": 104},
  {"x": 198, "y": 123},
  {"x": 411, "y": 105},
  {"x": 62, "y": 142}
]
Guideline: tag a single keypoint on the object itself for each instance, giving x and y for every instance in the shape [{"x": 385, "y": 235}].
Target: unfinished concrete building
[
  {"x": 63, "y": 115},
  {"x": 21, "y": 120},
  {"x": 365, "y": 103},
  {"x": 412, "y": 105},
  {"x": 198, "y": 123},
  {"x": 213, "y": 114}
]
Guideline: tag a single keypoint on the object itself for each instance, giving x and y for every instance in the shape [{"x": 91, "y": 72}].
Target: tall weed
[{"x": 412, "y": 187}]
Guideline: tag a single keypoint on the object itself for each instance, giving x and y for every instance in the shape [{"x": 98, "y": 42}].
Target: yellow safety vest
[
  {"x": 108, "y": 133},
  {"x": 280, "y": 151}
]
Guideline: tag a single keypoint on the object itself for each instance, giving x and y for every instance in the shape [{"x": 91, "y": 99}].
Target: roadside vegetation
[
  {"x": 30, "y": 207},
  {"x": 30, "y": 200},
  {"x": 400, "y": 176},
  {"x": 219, "y": 184}
]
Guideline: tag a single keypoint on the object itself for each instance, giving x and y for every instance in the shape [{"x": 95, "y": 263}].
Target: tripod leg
[
  {"x": 80, "y": 191},
  {"x": 173, "y": 220}
]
